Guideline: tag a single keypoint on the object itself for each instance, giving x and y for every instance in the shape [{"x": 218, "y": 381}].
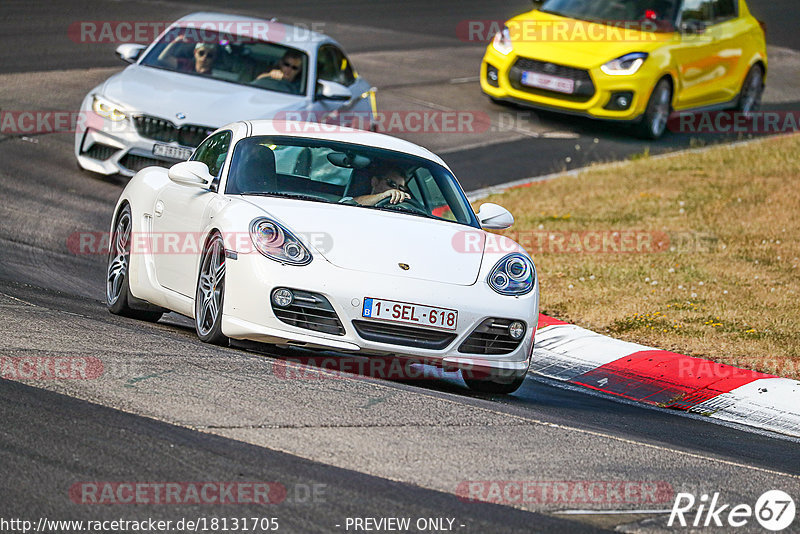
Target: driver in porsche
[{"x": 386, "y": 183}]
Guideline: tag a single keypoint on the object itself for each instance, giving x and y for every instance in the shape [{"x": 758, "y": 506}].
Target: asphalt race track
[{"x": 168, "y": 408}]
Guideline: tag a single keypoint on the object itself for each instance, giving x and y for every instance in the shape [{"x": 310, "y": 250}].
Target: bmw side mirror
[
  {"x": 494, "y": 217},
  {"x": 194, "y": 173},
  {"x": 327, "y": 90},
  {"x": 129, "y": 52},
  {"x": 693, "y": 27}
]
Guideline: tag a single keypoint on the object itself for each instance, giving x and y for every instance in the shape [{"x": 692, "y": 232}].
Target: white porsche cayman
[{"x": 289, "y": 234}]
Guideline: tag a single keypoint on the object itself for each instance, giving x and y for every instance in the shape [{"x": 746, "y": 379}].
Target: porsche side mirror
[
  {"x": 327, "y": 90},
  {"x": 191, "y": 173},
  {"x": 129, "y": 52},
  {"x": 494, "y": 217}
]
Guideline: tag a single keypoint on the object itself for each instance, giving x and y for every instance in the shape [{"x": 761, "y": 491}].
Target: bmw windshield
[
  {"x": 347, "y": 174},
  {"x": 231, "y": 58}
]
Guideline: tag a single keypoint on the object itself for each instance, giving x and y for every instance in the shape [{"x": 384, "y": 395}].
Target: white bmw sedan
[
  {"x": 210, "y": 69},
  {"x": 302, "y": 234}
]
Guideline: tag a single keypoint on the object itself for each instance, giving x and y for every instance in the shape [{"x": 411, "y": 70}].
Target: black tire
[
  {"x": 118, "y": 293},
  {"x": 752, "y": 89},
  {"x": 209, "y": 297},
  {"x": 653, "y": 122},
  {"x": 492, "y": 384}
]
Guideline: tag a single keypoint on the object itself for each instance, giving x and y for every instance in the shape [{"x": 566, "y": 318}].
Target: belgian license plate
[
  {"x": 405, "y": 312},
  {"x": 174, "y": 152},
  {"x": 545, "y": 81}
]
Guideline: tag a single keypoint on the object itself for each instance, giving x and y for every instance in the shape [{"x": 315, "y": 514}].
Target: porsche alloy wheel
[
  {"x": 210, "y": 293},
  {"x": 118, "y": 297}
]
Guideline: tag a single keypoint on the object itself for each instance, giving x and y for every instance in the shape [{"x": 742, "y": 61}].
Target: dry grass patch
[{"x": 724, "y": 282}]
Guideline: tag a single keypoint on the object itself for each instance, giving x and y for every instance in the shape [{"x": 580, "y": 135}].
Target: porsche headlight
[
  {"x": 107, "y": 109},
  {"x": 277, "y": 243},
  {"x": 624, "y": 65},
  {"x": 513, "y": 275},
  {"x": 502, "y": 41}
]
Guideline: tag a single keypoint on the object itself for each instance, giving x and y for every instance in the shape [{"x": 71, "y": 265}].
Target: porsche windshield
[
  {"x": 653, "y": 15},
  {"x": 240, "y": 60},
  {"x": 355, "y": 175}
]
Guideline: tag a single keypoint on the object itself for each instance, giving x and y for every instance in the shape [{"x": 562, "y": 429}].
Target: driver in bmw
[{"x": 386, "y": 183}]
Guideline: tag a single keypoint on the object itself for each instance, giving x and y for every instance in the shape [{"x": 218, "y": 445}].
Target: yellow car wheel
[
  {"x": 654, "y": 119},
  {"x": 752, "y": 89}
]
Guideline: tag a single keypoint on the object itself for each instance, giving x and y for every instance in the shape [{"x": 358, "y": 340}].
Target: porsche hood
[{"x": 379, "y": 241}]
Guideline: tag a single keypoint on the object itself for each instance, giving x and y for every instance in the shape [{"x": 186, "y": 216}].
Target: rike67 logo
[{"x": 774, "y": 510}]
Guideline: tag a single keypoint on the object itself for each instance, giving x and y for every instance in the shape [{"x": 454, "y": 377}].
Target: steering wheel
[{"x": 411, "y": 204}]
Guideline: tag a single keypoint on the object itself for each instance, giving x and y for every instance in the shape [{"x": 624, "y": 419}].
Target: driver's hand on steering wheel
[{"x": 396, "y": 196}]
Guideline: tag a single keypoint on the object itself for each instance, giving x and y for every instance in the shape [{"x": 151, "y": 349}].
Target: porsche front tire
[
  {"x": 210, "y": 294},
  {"x": 493, "y": 383}
]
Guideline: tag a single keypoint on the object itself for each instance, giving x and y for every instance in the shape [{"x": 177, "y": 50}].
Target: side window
[
  {"x": 724, "y": 10},
  {"x": 333, "y": 66},
  {"x": 698, "y": 10},
  {"x": 213, "y": 152},
  {"x": 424, "y": 185}
]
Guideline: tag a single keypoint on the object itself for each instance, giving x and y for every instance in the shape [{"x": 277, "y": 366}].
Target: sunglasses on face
[
  {"x": 205, "y": 53},
  {"x": 291, "y": 66},
  {"x": 394, "y": 185}
]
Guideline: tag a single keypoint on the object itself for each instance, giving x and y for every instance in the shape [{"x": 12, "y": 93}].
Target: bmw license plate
[
  {"x": 405, "y": 312},
  {"x": 545, "y": 81},
  {"x": 174, "y": 152}
]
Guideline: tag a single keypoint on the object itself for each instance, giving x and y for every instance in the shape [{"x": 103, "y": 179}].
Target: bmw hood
[
  {"x": 378, "y": 241},
  {"x": 202, "y": 101}
]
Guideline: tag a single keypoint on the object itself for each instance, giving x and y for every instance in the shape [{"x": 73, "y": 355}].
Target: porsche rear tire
[
  {"x": 210, "y": 294},
  {"x": 118, "y": 292}
]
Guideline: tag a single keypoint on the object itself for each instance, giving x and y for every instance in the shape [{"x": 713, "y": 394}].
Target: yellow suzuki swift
[{"x": 629, "y": 60}]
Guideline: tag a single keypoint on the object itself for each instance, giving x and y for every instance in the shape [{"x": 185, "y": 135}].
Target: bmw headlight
[
  {"x": 107, "y": 109},
  {"x": 277, "y": 243},
  {"x": 513, "y": 275},
  {"x": 502, "y": 41},
  {"x": 625, "y": 65}
]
